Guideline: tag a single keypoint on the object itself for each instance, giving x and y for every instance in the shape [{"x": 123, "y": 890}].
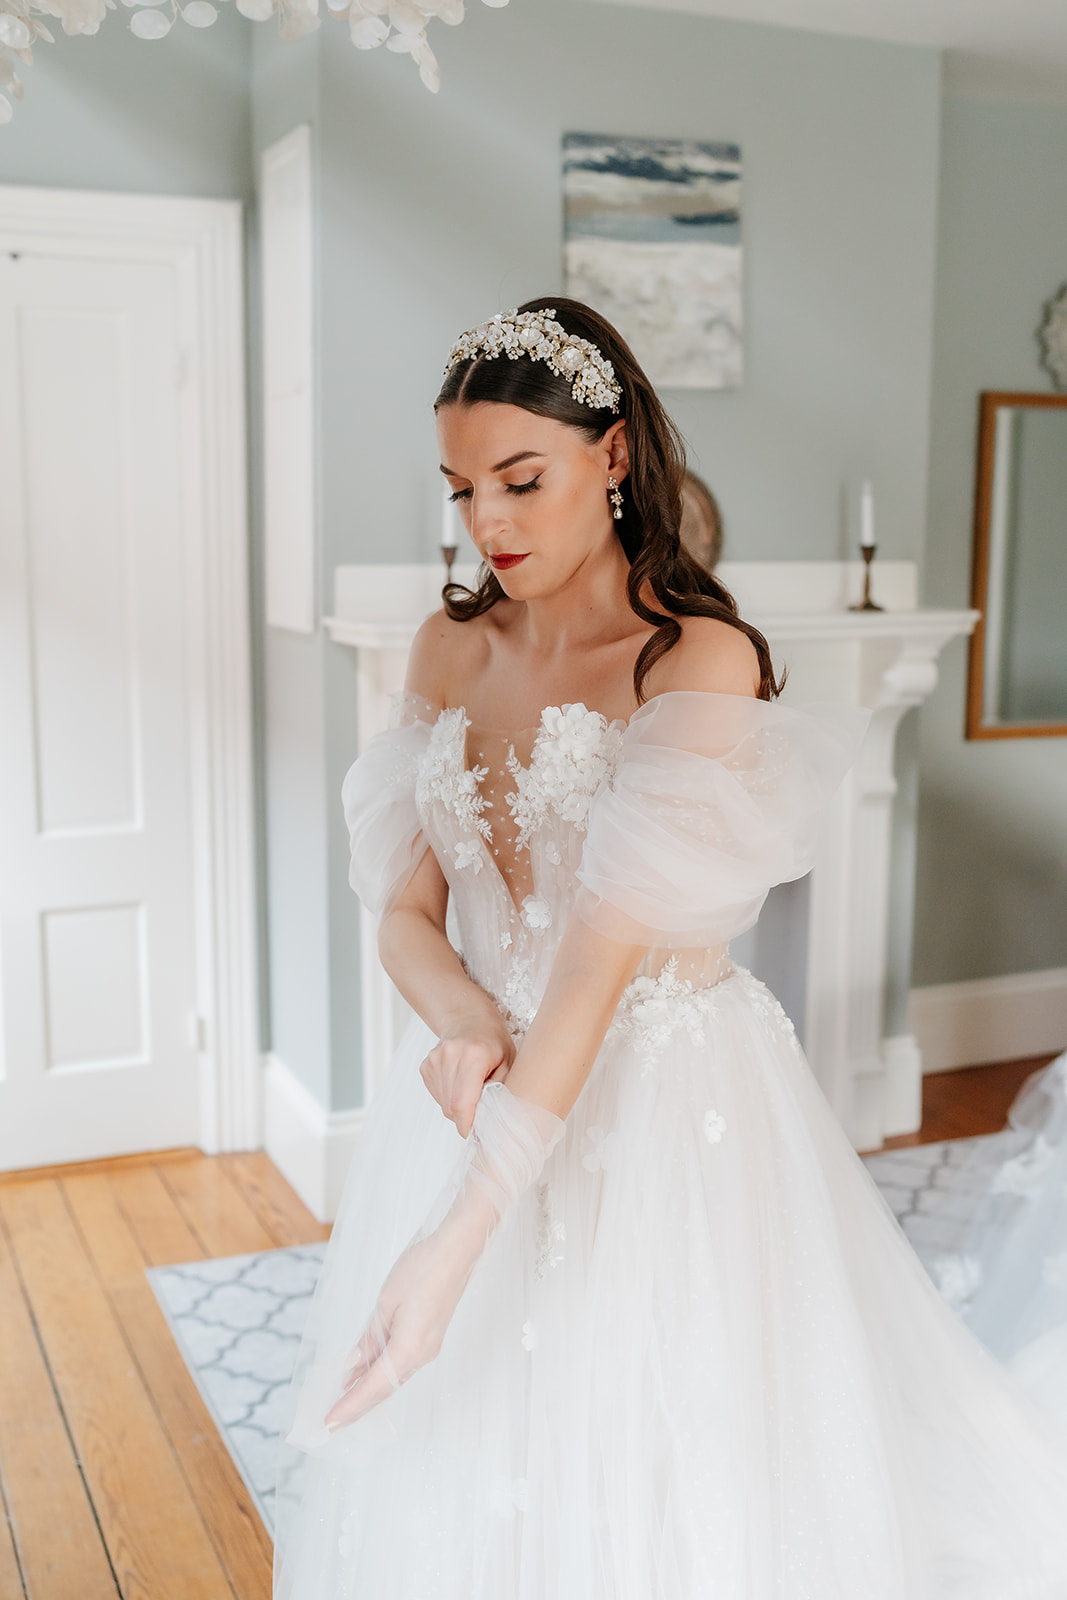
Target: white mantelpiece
[{"x": 886, "y": 661}]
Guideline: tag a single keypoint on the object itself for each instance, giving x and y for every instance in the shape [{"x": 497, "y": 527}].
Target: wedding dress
[
  {"x": 698, "y": 1360},
  {"x": 1008, "y": 1280}
]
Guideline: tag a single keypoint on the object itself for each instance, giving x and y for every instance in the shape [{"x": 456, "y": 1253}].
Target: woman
[{"x": 656, "y": 1336}]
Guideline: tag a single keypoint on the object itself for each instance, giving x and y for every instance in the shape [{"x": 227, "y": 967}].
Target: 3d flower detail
[
  {"x": 574, "y": 753},
  {"x": 536, "y": 912},
  {"x": 714, "y": 1126},
  {"x": 468, "y": 854},
  {"x": 598, "y": 1149},
  {"x": 653, "y": 1009},
  {"x": 529, "y": 1336}
]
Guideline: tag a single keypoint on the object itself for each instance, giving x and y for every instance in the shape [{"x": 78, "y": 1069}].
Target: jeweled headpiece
[{"x": 538, "y": 335}]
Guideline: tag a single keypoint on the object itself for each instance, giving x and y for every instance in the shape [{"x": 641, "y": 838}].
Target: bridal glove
[{"x": 508, "y": 1146}]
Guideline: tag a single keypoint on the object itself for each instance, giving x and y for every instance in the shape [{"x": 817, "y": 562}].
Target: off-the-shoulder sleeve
[
  {"x": 378, "y": 795},
  {"x": 715, "y": 799}
]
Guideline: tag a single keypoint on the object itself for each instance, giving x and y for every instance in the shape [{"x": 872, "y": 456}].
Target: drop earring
[{"x": 615, "y": 496}]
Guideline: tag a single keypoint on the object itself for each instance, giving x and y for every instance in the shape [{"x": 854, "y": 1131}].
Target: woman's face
[{"x": 532, "y": 492}]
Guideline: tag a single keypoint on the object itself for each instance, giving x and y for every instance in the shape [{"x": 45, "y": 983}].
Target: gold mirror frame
[{"x": 990, "y": 403}]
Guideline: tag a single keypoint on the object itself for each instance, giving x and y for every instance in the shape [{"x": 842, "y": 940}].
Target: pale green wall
[
  {"x": 116, "y": 112},
  {"x": 992, "y": 843},
  {"x": 436, "y": 211}
]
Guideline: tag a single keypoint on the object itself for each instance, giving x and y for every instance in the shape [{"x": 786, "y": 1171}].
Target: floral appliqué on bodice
[{"x": 529, "y": 835}]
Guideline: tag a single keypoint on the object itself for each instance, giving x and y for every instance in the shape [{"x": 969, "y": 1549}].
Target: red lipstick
[{"x": 503, "y": 561}]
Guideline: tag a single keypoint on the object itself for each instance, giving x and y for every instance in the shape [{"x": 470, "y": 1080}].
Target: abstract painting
[{"x": 652, "y": 239}]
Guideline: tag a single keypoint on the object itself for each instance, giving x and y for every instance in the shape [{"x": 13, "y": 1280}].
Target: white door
[{"x": 97, "y": 957}]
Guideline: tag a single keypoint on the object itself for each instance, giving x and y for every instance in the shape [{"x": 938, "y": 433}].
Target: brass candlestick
[
  {"x": 448, "y": 556},
  {"x": 867, "y": 604}
]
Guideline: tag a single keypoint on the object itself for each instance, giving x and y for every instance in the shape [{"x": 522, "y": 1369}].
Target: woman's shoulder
[
  {"x": 445, "y": 654},
  {"x": 712, "y": 656}
]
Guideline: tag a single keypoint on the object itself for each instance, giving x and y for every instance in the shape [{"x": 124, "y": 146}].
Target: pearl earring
[{"x": 615, "y": 496}]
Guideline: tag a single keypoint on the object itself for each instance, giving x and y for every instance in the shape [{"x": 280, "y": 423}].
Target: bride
[{"x": 611, "y": 1310}]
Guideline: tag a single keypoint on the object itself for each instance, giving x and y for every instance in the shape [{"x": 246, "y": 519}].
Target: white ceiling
[{"x": 1013, "y": 45}]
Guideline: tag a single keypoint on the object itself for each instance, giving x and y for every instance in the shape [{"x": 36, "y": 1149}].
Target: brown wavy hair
[{"x": 651, "y": 493}]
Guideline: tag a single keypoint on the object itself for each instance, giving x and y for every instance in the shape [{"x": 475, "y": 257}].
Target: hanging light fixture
[{"x": 398, "y": 24}]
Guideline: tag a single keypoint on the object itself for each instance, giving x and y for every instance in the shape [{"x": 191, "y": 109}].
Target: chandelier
[{"x": 398, "y": 24}]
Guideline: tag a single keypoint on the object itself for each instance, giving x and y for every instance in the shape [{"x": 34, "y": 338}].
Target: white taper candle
[
  {"x": 867, "y": 516},
  {"x": 451, "y": 526}
]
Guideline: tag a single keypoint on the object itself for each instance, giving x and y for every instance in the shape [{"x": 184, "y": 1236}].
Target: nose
[{"x": 486, "y": 524}]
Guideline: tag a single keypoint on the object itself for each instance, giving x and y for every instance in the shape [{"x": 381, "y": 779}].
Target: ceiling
[{"x": 1017, "y": 46}]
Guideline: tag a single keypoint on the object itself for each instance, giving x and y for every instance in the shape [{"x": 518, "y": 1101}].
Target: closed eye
[{"x": 512, "y": 488}]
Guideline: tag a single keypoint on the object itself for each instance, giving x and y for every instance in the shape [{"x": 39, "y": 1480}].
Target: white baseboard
[
  {"x": 990, "y": 1019},
  {"x": 310, "y": 1146}
]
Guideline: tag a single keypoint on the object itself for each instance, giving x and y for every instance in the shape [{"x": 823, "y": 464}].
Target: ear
[{"x": 615, "y": 446}]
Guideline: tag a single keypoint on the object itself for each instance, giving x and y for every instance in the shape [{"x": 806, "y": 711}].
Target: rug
[{"x": 237, "y": 1321}]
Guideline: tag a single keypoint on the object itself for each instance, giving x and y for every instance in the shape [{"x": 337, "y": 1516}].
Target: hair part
[{"x": 651, "y": 493}]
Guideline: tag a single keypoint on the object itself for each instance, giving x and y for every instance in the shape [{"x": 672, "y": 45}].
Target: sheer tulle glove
[{"x": 508, "y": 1146}]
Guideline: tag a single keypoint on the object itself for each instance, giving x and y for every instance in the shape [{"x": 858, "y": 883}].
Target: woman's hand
[
  {"x": 413, "y": 1311},
  {"x": 475, "y": 1047},
  {"x": 510, "y": 1143}
]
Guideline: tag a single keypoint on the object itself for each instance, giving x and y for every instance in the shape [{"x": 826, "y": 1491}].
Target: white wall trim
[
  {"x": 202, "y": 241},
  {"x": 310, "y": 1146},
  {"x": 990, "y": 1019}
]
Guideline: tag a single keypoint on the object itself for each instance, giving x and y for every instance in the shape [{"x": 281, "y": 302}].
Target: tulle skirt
[{"x": 699, "y": 1362}]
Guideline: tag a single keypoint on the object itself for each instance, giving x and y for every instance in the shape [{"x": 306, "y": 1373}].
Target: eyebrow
[{"x": 501, "y": 466}]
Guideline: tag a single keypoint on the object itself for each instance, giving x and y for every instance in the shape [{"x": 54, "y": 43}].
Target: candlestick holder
[
  {"x": 448, "y": 556},
  {"x": 867, "y": 604}
]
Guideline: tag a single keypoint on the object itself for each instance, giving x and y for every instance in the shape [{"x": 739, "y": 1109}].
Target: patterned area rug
[{"x": 238, "y": 1321}]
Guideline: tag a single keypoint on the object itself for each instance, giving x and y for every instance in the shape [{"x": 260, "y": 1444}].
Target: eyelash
[{"x": 512, "y": 488}]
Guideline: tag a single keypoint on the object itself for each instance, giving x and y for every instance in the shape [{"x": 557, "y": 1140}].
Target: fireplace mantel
[{"x": 886, "y": 661}]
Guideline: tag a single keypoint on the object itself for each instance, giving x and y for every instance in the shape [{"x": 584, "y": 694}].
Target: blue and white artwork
[{"x": 652, "y": 239}]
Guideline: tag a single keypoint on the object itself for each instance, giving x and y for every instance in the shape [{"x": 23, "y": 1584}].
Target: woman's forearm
[
  {"x": 426, "y": 969},
  {"x": 588, "y": 977}
]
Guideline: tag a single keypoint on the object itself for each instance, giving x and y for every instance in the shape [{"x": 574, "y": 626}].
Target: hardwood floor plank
[
  {"x": 225, "y": 1504},
  {"x": 215, "y": 1209},
  {"x": 11, "y": 1587},
  {"x": 101, "y": 1206},
  {"x": 975, "y": 1100},
  {"x": 142, "y": 1158},
  {"x": 157, "y": 1542},
  {"x": 59, "y": 1542},
  {"x": 274, "y": 1201},
  {"x": 153, "y": 1217}
]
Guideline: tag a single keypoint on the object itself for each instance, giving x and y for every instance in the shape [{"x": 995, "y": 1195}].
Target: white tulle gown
[
  {"x": 1009, "y": 1279},
  {"x": 699, "y": 1361}
]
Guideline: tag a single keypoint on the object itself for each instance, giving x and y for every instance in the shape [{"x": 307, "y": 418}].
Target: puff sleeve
[
  {"x": 715, "y": 799},
  {"x": 378, "y": 796}
]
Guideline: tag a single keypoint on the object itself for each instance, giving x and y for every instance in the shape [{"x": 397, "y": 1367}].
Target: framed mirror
[{"x": 1017, "y": 677}]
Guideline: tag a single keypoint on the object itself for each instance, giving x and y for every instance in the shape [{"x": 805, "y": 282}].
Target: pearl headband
[{"x": 538, "y": 335}]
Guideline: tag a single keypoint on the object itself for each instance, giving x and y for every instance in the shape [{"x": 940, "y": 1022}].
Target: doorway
[{"x": 127, "y": 919}]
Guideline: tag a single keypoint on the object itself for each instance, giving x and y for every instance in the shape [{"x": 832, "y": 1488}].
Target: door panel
[{"x": 97, "y": 959}]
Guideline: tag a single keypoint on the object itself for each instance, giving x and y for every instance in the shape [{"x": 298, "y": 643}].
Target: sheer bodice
[{"x": 667, "y": 831}]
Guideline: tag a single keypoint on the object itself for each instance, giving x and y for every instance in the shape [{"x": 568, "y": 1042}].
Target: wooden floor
[{"x": 113, "y": 1478}]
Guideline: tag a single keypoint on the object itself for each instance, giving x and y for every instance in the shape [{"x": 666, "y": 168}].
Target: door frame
[{"x": 203, "y": 241}]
